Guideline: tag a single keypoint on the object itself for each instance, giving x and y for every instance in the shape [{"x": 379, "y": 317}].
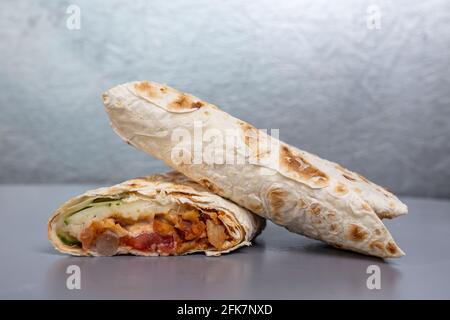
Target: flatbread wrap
[
  {"x": 291, "y": 187},
  {"x": 163, "y": 214}
]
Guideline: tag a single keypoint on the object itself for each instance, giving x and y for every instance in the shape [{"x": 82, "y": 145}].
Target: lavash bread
[
  {"x": 165, "y": 189},
  {"x": 291, "y": 187}
]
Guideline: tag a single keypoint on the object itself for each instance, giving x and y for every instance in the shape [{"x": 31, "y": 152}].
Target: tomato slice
[{"x": 151, "y": 242}]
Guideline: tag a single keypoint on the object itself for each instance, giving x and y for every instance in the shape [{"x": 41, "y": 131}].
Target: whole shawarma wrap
[
  {"x": 293, "y": 188},
  {"x": 163, "y": 214}
]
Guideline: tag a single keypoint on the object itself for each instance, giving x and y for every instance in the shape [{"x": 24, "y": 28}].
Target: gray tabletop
[{"x": 279, "y": 265}]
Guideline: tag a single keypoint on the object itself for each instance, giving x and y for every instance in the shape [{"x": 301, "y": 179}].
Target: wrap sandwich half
[
  {"x": 293, "y": 188},
  {"x": 163, "y": 214}
]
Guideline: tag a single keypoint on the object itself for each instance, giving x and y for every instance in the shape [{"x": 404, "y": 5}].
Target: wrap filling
[{"x": 107, "y": 227}]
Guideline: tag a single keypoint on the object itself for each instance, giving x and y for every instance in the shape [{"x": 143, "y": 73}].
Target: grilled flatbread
[
  {"x": 163, "y": 214},
  {"x": 293, "y": 188}
]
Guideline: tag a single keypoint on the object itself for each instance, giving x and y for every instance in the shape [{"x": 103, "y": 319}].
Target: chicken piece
[
  {"x": 90, "y": 234},
  {"x": 216, "y": 234}
]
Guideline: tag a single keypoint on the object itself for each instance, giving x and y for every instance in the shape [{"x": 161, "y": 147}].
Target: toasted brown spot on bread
[
  {"x": 385, "y": 215},
  {"x": 183, "y": 102},
  {"x": 134, "y": 185},
  {"x": 365, "y": 206},
  {"x": 378, "y": 232},
  {"x": 391, "y": 247},
  {"x": 356, "y": 233},
  {"x": 301, "y": 204},
  {"x": 249, "y": 131},
  {"x": 340, "y": 189},
  {"x": 210, "y": 186},
  {"x": 198, "y": 104},
  {"x": 315, "y": 208},
  {"x": 348, "y": 177},
  {"x": 296, "y": 165},
  {"x": 333, "y": 227},
  {"x": 146, "y": 89},
  {"x": 250, "y": 136},
  {"x": 276, "y": 198},
  {"x": 376, "y": 245},
  {"x": 253, "y": 139},
  {"x": 357, "y": 190}
]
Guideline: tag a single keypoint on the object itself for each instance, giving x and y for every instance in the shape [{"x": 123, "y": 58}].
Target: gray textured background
[{"x": 377, "y": 101}]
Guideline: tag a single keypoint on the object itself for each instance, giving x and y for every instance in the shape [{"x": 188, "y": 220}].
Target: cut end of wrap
[
  {"x": 111, "y": 97},
  {"x": 400, "y": 209},
  {"x": 154, "y": 94}
]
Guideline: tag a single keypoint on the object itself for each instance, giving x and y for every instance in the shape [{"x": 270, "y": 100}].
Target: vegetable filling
[{"x": 177, "y": 230}]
